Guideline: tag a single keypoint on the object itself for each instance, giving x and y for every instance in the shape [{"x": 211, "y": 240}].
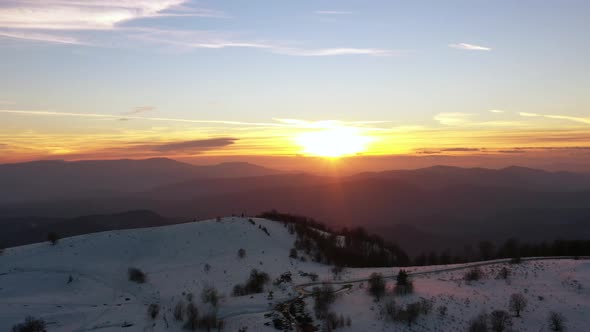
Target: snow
[{"x": 34, "y": 281}]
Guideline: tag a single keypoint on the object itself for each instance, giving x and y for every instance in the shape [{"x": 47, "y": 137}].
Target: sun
[{"x": 333, "y": 142}]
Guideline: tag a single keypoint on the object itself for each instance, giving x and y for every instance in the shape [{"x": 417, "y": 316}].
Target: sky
[{"x": 378, "y": 84}]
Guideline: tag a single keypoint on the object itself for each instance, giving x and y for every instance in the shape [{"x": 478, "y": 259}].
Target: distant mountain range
[
  {"x": 57, "y": 179},
  {"x": 432, "y": 208}
]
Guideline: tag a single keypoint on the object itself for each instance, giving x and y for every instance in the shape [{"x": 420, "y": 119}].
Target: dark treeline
[
  {"x": 359, "y": 248},
  {"x": 512, "y": 248}
]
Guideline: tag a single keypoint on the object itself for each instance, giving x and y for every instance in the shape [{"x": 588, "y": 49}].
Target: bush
[
  {"x": 376, "y": 286},
  {"x": 323, "y": 297},
  {"x": 192, "y": 317},
  {"x": 31, "y": 324},
  {"x": 241, "y": 253},
  {"x": 503, "y": 274},
  {"x": 556, "y": 321},
  {"x": 254, "y": 284},
  {"x": 517, "y": 303},
  {"x": 442, "y": 310},
  {"x": 473, "y": 274},
  {"x": 153, "y": 310},
  {"x": 53, "y": 238},
  {"x": 210, "y": 295},
  {"x": 403, "y": 284},
  {"x": 179, "y": 311},
  {"x": 136, "y": 275},
  {"x": 500, "y": 320},
  {"x": 409, "y": 314},
  {"x": 479, "y": 323}
]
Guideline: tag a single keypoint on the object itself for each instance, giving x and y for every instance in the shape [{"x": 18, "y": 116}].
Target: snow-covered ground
[{"x": 34, "y": 280}]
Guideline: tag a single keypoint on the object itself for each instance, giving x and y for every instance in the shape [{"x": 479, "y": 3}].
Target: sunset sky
[{"x": 395, "y": 83}]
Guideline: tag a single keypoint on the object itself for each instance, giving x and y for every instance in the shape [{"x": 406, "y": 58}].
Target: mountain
[
  {"x": 118, "y": 280},
  {"x": 25, "y": 230},
  {"x": 55, "y": 179},
  {"x": 438, "y": 177},
  {"x": 442, "y": 207}
]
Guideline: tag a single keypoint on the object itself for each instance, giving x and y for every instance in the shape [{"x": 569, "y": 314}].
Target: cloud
[
  {"x": 461, "y": 150},
  {"x": 332, "y": 12},
  {"x": 557, "y": 117},
  {"x": 89, "y": 14},
  {"x": 193, "y": 146},
  {"x": 217, "y": 40},
  {"x": 334, "y": 51},
  {"x": 42, "y": 37},
  {"x": 140, "y": 109},
  {"x": 66, "y": 21},
  {"x": 118, "y": 117},
  {"x": 469, "y": 47},
  {"x": 453, "y": 118},
  {"x": 496, "y": 111}
]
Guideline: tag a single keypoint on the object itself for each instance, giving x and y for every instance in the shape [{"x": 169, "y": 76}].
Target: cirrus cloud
[{"x": 469, "y": 47}]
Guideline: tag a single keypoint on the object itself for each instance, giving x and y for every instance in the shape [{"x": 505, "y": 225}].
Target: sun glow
[{"x": 333, "y": 142}]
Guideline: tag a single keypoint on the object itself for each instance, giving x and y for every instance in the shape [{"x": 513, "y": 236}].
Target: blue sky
[{"x": 407, "y": 64}]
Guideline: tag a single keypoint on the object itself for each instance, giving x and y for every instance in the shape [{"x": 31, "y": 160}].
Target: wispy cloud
[
  {"x": 577, "y": 119},
  {"x": 469, "y": 47},
  {"x": 140, "y": 109},
  {"x": 42, "y": 37},
  {"x": 218, "y": 40},
  {"x": 89, "y": 14},
  {"x": 192, "y": 146},
  {"x": 453, "y": 118},
  {"x": 332, "y": 12},
  {"x": 497, "y": 111},
  {"x": 68, "y": 21}
]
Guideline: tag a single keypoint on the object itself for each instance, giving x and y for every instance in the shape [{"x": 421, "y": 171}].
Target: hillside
[{"x": 81, "y": 283}]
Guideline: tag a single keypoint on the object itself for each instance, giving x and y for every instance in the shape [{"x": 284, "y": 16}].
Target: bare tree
[
  {"x": 556, "y": 321},
  {"x": 376, "y": 286},
  {"x": 500, "y": 320},
  {"x": 517, "y": 303}
]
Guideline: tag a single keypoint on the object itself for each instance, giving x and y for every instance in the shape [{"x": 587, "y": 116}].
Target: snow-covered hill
[{"x": 81, "y": 284}]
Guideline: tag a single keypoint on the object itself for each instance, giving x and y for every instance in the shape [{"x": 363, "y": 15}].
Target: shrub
[
  {"x": 136, "y": 275},
  {"x": 254, "y": 284},
  {"x": 556, "y": 321},
  {"x": 31, "y": 324},
  {"x": 207, "y": 267},
  {"x": 479, "y": 323},
  {"x": 403, "y": 284},
  {"x": 241, "y": 253},
  {"x": 53, "y": 238},
  {"x": 376, "y": 286},
  {"x": 409, "y": 314},
  {"x": 442, "y": 310},
  {"x": 153, "y": 310},
  {"x": 503, "y": 274},
  {"x": 473, "y": 274},
  {"x": 323, "y": 297},
  {"x": 210, "y": 295},
  {"x": 192, "y": 317},
  {"x": 293, "y": 253},
  {"x": 500, "y": 320},
  {"x": 179, "y": 311},
  {"x": 517, "y": 303}
]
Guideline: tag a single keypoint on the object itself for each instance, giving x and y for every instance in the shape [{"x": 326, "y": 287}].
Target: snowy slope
[
  {"x": 34, "y": 281},
  {"x": 33, "y": 278}
]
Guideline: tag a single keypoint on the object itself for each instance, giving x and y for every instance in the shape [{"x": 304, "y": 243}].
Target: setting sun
[{"x": 333, "y": 142}]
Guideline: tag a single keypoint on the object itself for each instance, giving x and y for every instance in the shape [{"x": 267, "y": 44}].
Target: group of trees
[
  {"x": 195, "y": 319},
  {"x": 254, "y": 284},
  {"x": 501, "y": 320},
  {"x": 408, "y": 313},
  {"x": 31, "y": 324},
  {"x": 512, "y": 248},
  {"x": 347, "y": 247}
]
